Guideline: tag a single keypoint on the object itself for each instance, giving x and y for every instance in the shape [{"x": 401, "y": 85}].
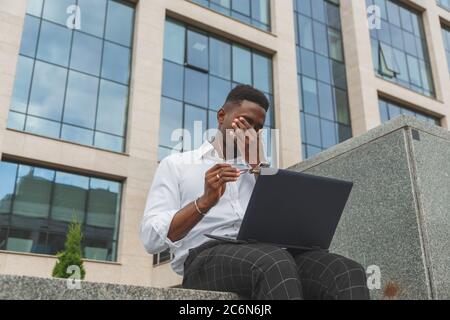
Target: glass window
[
  {"x": 261, "y": 11},
  {"x": 58, "y": 98},
  {"x": 8, "y": 173},
  {"x": 47, "y": 91},
  {"x": 77, "y": 134},
  {"x": 262, "y": 72},
  {"x": 172, "y": 85},
  {"x": 329, "y": 137},
  {"x": 318, "y": 11},
  {"x": 54, "y": 43},
  {"x": 120, "y": 22},
  {"x": 446, "y": 37},
  {"x": 406, "y": 62},
  {"x": 390, "y": 110},
  {"x": 174, "y": 42},
  {"x": 320, "y": 38},
  {"x": 34, "y": 7},
  {"x": 42, "y": 127},
  {"x": 56, "y": 10},
  {"x": 19, "y": 100},
  {"x": 197, "y": 50},
  {"x": 171, "y": 116},
  {"x": 333, "y": 15},
  {"x": 307, "y": 59},
  {"x": 16, "y": 121},
  {"x": 33, "y": 189},
  {"x": 116, "y": 63},
  {"x": 310, "y": 98},
  {"x": 81, "y": 100},
  {"x": 29, "y": 36},
  {"x": 195, "y": 120},
  {"x": 242, "y": 65},
  {"x": 342, "y": 111},
  {"x": 335, "y": 44},
  {"x": 193, "y": 93},
  {"x": 218, "y": 92},
  {"x": 325, "y": 101},
  {"x": 322, "y": 75},
  {"x": 305, "y": 32},
  {"x": 242, "y": 6},
  {"x": 254, "y": 12},
  {"x": 112, "y": 108},
  {"x": 444, "y": 3},
  {"x": 323, "y": 69},
  {"x": 93, "y": 16},
  {"x": 108, "y": 141},
  {"x": 312, "y": 126},
  {"x": 388, "y": 62},
  {"x": 303, "y": 6},
  {"x": 86, "y": 54},
  {"x": 196, "y": 88},
  {"x": 69, "y": 197},
  {"x": 103, "y": 203},
  {"x": 220, "y": 58},
  {"x": 41, "y": 203}
]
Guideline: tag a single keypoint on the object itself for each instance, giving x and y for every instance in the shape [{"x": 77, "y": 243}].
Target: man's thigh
[
  {"x": 232, "y": 267},
  {"x": 326, "y": 275}
]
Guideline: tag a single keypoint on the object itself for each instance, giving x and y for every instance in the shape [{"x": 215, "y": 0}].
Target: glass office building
[
  {"x": 94, "y": 93},
  {"x": 322, "y": 79}
]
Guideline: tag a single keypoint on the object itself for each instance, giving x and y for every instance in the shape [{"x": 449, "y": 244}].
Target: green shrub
[{"x": 72, "y": 255}]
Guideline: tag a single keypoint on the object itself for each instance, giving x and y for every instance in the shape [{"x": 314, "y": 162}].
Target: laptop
[{"x": 293, "y": 210}]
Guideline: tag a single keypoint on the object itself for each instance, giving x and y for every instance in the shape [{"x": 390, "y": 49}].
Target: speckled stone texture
[
  {"x": 398, "y": 214},
  {"x": 32, "y": 288}
]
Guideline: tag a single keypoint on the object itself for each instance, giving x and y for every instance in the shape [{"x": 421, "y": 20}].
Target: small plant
[{"x": 71, "y": 257}]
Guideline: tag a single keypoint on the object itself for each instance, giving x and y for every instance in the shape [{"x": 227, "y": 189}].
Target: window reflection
[
  {"x": 37, "y": 205},
  {"x": 389, "y": 110},
  {"x": 47, "y": 92},
  {"x": 43, "y": 104},
  {"x": 86, "y": 53},
  {"x": 116, "y": 63},
  {"x": 399, "y": 51},
  {"x": 195, "y": 91},
  {"x": 254, "y": 12},
  {"x": 54, "y": 43},
  {"x": 119, "y": 22},
  {"x": 321, "y": 75}
]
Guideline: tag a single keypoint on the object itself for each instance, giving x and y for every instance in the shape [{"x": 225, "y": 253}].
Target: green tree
[{"x": 71, "y": 256}]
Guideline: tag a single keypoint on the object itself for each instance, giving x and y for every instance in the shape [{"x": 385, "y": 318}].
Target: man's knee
[{"x": 270, "y": 259}]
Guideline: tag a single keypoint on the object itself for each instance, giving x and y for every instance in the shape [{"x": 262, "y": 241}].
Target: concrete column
[{"x": 363, "y": 98}]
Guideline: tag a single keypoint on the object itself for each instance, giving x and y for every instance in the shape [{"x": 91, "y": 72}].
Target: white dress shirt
[{"x": 179, "y": 180}]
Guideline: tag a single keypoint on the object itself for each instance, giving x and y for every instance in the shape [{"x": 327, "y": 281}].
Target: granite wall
[{"x": 397, "y": 216}]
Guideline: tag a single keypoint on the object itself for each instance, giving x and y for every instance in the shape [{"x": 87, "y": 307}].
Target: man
[{"x": 200, "y": 192}]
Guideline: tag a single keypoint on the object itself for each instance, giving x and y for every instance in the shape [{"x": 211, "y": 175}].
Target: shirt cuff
[{"x": 162, "y": 229}]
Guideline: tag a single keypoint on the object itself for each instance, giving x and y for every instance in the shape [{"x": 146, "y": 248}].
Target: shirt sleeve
[{"x": 163, "y": 202}]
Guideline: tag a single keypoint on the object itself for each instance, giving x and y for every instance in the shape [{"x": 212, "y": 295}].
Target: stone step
[{"x": 33, "y": 288}]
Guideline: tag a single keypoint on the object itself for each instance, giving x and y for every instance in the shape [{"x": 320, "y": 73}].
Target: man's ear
[{"x": 221, "y": 116}]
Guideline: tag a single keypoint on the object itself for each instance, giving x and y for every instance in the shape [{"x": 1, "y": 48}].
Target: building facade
[{"x": 92, "y": 92}]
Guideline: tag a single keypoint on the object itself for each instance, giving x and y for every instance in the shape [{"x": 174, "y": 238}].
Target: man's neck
[{"x": 220, "y": 146}]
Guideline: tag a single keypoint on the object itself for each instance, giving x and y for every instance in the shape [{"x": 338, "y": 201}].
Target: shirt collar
[{"x": 207, "y": 149}]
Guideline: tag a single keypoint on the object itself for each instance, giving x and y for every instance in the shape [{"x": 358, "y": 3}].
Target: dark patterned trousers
[{"x": 261, "y": 271}]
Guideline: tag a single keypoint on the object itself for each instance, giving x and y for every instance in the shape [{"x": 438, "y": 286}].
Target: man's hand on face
[
  {"x": 249, "y": 142},
  {"x": 216, "y": 179}
]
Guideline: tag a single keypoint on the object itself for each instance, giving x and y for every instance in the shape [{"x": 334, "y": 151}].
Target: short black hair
[{"x": 245, "y": 92}]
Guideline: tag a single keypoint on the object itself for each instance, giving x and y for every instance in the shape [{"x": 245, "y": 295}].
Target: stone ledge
[{"x": 14, "y": 287}]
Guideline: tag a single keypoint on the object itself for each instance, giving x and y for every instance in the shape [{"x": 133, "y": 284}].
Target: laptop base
[{"x": 291, "y": 248}]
